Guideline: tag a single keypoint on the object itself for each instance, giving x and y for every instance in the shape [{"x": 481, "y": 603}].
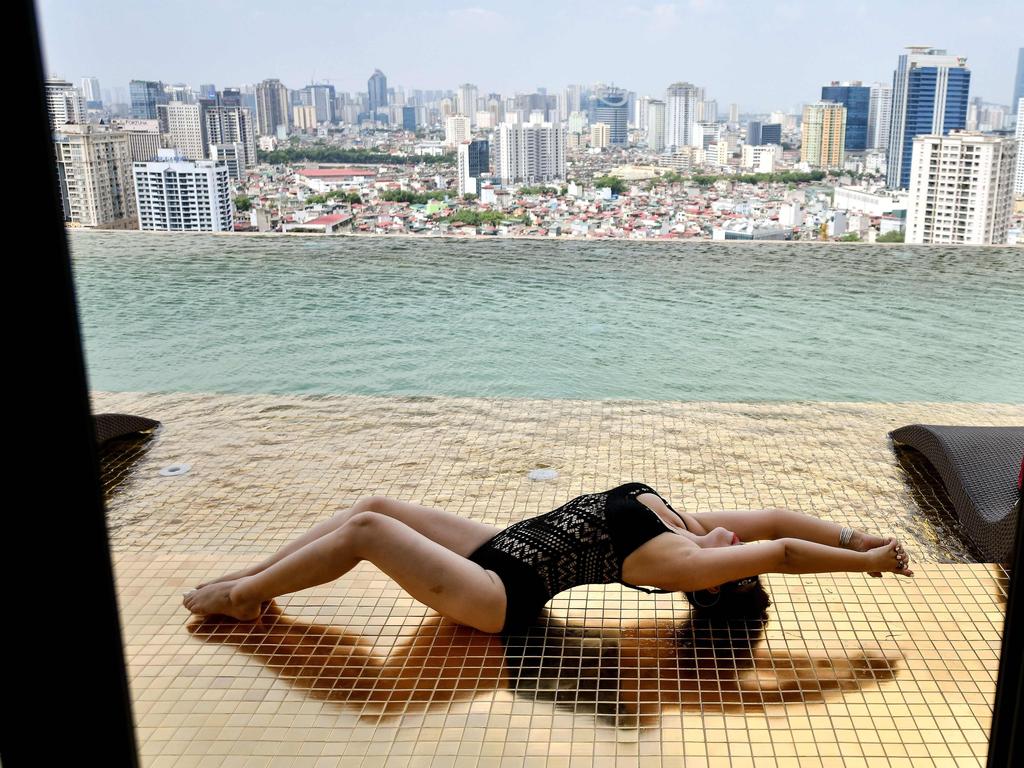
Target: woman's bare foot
[
  {"x": 222, "y": 598},
  {"x": 891, "y": 557},
  {"x": 251, "y": 571},
  {"x": 862, "y": 542}
]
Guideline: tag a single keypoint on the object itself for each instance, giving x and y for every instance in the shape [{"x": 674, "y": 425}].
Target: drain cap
[
  {"x": 542, "y": 474},
  {"x": 175, "y": 469}
]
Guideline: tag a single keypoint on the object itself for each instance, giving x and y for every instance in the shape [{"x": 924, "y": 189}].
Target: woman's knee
[
  {"x": 375, "y": 503},
  {"x": 362, "y": 528}
]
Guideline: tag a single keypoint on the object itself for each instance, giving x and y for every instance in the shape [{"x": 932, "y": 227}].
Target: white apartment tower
[
  {"x": 879, "y": 116},
  {"x": 961, "y": 188},
  {"x": 186, "y": 130},
  {"x": 530, "y": 153},
  {"x": 600, "y": 135},
  {"x": 232, "y": 156},
  {"x": 680, "y": 113},
  {"x": 64, "y": 102},
  {"x": 176, "y": 195},
  {"x": 641, "y": 112},
  {"x": 466, "y": 101},
  {"x": 656, "y": 125},
  {"x": 456, "y": 130},
  {"x": 94, "y": 171},
  {"x": 1018, "y": 177}
]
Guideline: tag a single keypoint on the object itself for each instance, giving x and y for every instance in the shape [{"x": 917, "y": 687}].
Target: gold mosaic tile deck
[{"x": 847, "y": 670}]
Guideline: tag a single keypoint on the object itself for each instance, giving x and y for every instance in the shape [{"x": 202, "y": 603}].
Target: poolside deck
[{"x": 848, "y": 670}]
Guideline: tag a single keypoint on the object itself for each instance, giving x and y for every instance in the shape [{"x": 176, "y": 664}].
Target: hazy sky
[{"x": 763, "y": 55}]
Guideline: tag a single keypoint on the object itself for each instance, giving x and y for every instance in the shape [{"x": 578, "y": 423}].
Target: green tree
[
  {"x": 850, "y": 237},
  {"x": 243, "y": 203},
  {"x": 891, "y": 237},
  {"x": 618, "y": 186}
]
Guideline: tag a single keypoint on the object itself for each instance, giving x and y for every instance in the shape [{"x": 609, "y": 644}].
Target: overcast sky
[{"x": 761, "y": 55}]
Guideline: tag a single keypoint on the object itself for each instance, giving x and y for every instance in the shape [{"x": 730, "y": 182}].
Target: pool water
[{"x": 538, "y": 319}]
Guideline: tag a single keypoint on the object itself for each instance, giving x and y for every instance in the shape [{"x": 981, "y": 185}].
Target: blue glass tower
[
  {"x": 929, "y": 96},
  {"x": 771, "y": 133},
  {"x": 611, "y": 106},
  {"x": 856, "y": 99},
  {"x": 145, "y": 95},
  {"x": 409, "y": 118}
]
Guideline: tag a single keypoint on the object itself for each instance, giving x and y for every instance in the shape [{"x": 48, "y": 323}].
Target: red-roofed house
[{"x": 328, "y": 225}]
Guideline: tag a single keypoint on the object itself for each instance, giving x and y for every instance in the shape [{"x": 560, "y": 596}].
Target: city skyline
[{"x": 101, "y": 44}]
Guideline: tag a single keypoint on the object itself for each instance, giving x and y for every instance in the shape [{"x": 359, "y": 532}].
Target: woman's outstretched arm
[
  {"x": 761, "y": 524},
  {"x": 711, "y": 567}
]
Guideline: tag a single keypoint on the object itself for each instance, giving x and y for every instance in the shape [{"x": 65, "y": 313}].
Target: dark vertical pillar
[
  {"x": 1004, "y": 748},
  {"x": 67, "y": 691}
]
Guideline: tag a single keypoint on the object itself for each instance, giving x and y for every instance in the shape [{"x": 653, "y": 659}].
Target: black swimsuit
[{"x": 584, "y": 541}]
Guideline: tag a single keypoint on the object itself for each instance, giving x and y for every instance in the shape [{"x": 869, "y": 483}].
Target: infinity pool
[{"x": 538, "y": 319}]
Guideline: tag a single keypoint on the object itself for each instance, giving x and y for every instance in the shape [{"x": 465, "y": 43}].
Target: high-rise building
[
  {"x": 272, "y": 107},
  {"x": 656, "y": 125},
  {"x": 734, "y": 113},
  {"x": 144, "y": 140},
  {"x": 229, "y": 97},
  {"x": 753, "y": 134},
  {"x": 321, "y": 96},
  {"x": 409, "y": 118},
  {"x": 232, "y": 156},
  {"x": 961, "y": 188},
  {"x": 611, "y": 106},
  {"x": 856, "y": 97},
  {"x": 465, "y": 102},
  {"x": 94, "y": 171},
  {"x": 145, "y": 96},
  {"x": 704, "y": 133},
  {"x": 707, "y": 111},
  {"x": 63, "y": 102},
  {"x": 456, "y": 130},
  {"x": 1018, "y": 83},
  {"x": 771, "y": 133},
  {"x": 680, "y": 113},
  {"x": 641, "y": 112},
  {"x": 91, "y": 93},
  {"x": 1018, "y": 176},
  {"x": 178, "y": 195},
  {"x": 304, "y": 118},
  {"x": 573, "y": 99},
  {"x": 232, "y": 125},
  {"x": 879, "y": 116},
  {"x": 823, "y": 135},
  {"x": 599, "y": 135},
  {"x": 929, "y": 96},
  {"x": 186, "y": 129},
  {"x": 377, "y": 90},
  {"x": 208, "y": 91},
  {"x": 529, "y": 153},
  {"x": 473, "y": 162},
  {"x": 577, "y": 122}
]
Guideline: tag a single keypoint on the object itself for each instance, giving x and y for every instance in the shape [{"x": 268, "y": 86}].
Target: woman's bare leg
[
  {"x": 439, "y": 578},
  {"x": 459, "y": 534},
  {"x": 324, "y": 527}
]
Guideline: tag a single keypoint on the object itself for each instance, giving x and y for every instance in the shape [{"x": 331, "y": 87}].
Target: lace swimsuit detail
[{"x": 584, "y": 541}]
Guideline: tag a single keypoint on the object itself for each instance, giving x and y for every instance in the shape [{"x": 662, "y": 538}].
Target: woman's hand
[
  {"x": 891, "y": 557},
  {"x": 718, "y": 537}
]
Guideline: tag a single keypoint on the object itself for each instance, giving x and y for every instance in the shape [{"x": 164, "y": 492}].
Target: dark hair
[{"x": 741, "y": 599}]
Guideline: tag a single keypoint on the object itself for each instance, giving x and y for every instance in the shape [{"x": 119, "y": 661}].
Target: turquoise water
[{"x": 520, "y": 318}]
